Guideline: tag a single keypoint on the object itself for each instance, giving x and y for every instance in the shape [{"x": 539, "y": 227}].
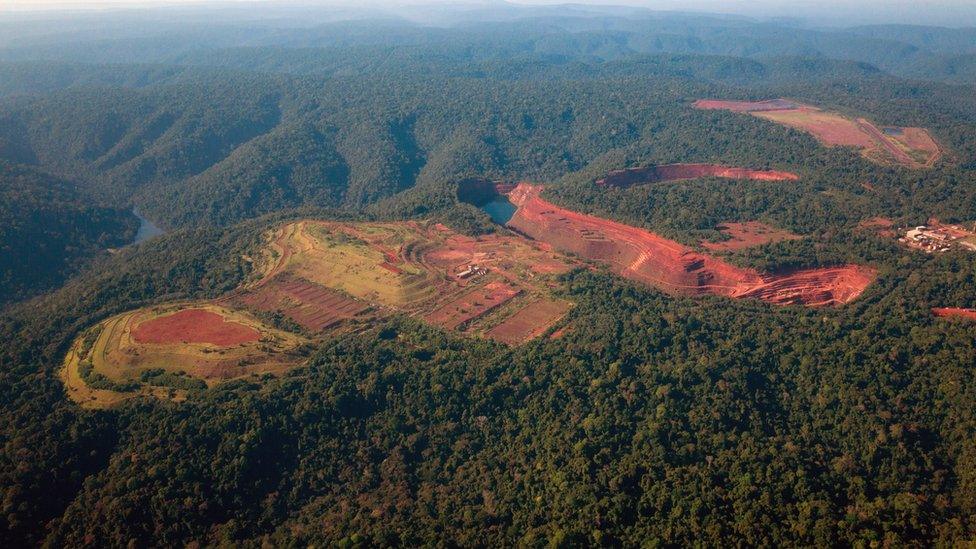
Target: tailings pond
[{"x": 499, "y": 209}]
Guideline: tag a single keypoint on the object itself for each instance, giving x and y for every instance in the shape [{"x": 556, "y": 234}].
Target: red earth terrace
[{"x": 644, "y": 256}]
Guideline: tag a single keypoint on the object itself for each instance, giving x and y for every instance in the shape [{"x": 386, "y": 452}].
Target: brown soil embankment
[{"x": 650, "y": 258}]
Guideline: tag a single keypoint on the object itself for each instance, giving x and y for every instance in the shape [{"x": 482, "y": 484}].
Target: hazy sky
[{"x": 934, "y": 12}]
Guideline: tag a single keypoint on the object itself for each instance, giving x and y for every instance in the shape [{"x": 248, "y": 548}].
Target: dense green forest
[
  {"x": 48, "y": 231},
  {"x": 221, "y": 147},
  {"x": 655, "y": 420}
]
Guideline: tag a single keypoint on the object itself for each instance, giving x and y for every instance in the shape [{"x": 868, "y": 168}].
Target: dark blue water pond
[{"x": 500, "y": 210}]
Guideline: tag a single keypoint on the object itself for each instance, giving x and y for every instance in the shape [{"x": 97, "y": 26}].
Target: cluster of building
[
  {"x": 937, "y": 239},
  {"x": 472, "y": 270}
]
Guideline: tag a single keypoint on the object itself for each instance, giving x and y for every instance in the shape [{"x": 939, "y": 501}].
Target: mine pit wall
[
  {"x": 503, "y": 188},
  {"x": 815, "y": 287},
  {"x": 646, "y": 257},
  {"x": 678, "y": 172},
  {"x": 478, "y": 191},
  {"x": 632, "y": 252}
]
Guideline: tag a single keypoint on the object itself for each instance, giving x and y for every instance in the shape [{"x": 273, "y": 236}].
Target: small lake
[
  {"x": 500, "y": 210},
  {"x": 147, "y": 229}
]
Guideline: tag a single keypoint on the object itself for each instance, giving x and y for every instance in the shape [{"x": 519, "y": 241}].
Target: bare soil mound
[
  {"x": 194, "y": 326},
  {"x": 530, "y": 321},
  {"x": 642, "y": 255},
  {"x": 882, "y": 226},
  {"x": 680, "y": 172}
]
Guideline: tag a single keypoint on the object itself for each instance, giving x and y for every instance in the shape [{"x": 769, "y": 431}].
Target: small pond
[{"x": 499, "y": 209}]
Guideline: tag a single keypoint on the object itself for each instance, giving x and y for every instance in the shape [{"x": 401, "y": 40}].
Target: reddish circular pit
[{"x": 194, "y": 326}]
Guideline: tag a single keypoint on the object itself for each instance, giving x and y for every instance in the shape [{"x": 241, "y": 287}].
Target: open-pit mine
[
  {"x": 641, "y": 255},
  {"x": 903, "y": 146},
  {"x": 314, "y": 279},
  {"x": 317, "y": 279}
]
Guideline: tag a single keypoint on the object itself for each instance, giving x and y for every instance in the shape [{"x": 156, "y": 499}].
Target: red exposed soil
[
  {"x": 311, "y": 305},
  {"x": 881, "y": 225},
  {"x": 491, "y": 251},
  {"x": 472, "y": 305},
  {"x": 836, "y": 131},
  {"x": 529, "y": 322},
  {"x": 748, "y": 234},
  {"x": 502, "y": 187},
  {"x": 920, "y": 139},
  {"x": 957, "y": 312},
  {"x": 899, "y": 155},
  {"x": 746, "y": 106},
  {"x": 649, "y": 258},
  {"x": 558, "y": 334},
  {"x": 392, "y": 268},
  {"x": 194, "y": 326},
  {"x": 678, "y": 172},
  {"x": 954, "y": 231}
]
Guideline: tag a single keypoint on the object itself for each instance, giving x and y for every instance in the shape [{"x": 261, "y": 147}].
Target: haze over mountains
[
  {"x": 200, "y": 122},
  {"x": 679, "y": 326},
  {"x": 605, "y": 32}
]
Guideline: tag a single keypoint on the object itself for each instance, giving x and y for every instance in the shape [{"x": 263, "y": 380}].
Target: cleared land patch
[
  {"x": 954, "y": 312},
  {"x": 318, "y": 278},
  {"x": 681, "y": 172},
  {"x": 321, "y": 277},
  {"x": 882, "y": 226},
  {"x": 149, "y": 352},
  {"x": 310, "y": 305},
  {"x": 748, "y": 234},
  {"x": 472, "y": 305},
  {"x": 531, "y": 321},
  {"x": 904, "y": 146},
  {"x": 193, "y": 326}
]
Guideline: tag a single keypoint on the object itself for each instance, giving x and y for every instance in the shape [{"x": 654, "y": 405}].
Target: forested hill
[
  {"x": 217, "y": 146},
  {"x": 652, "y": 419},
  {"x": 501, "y": 31},
  {"x": 675, "y": 420},
  {"x": 48, "y": 231}
]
